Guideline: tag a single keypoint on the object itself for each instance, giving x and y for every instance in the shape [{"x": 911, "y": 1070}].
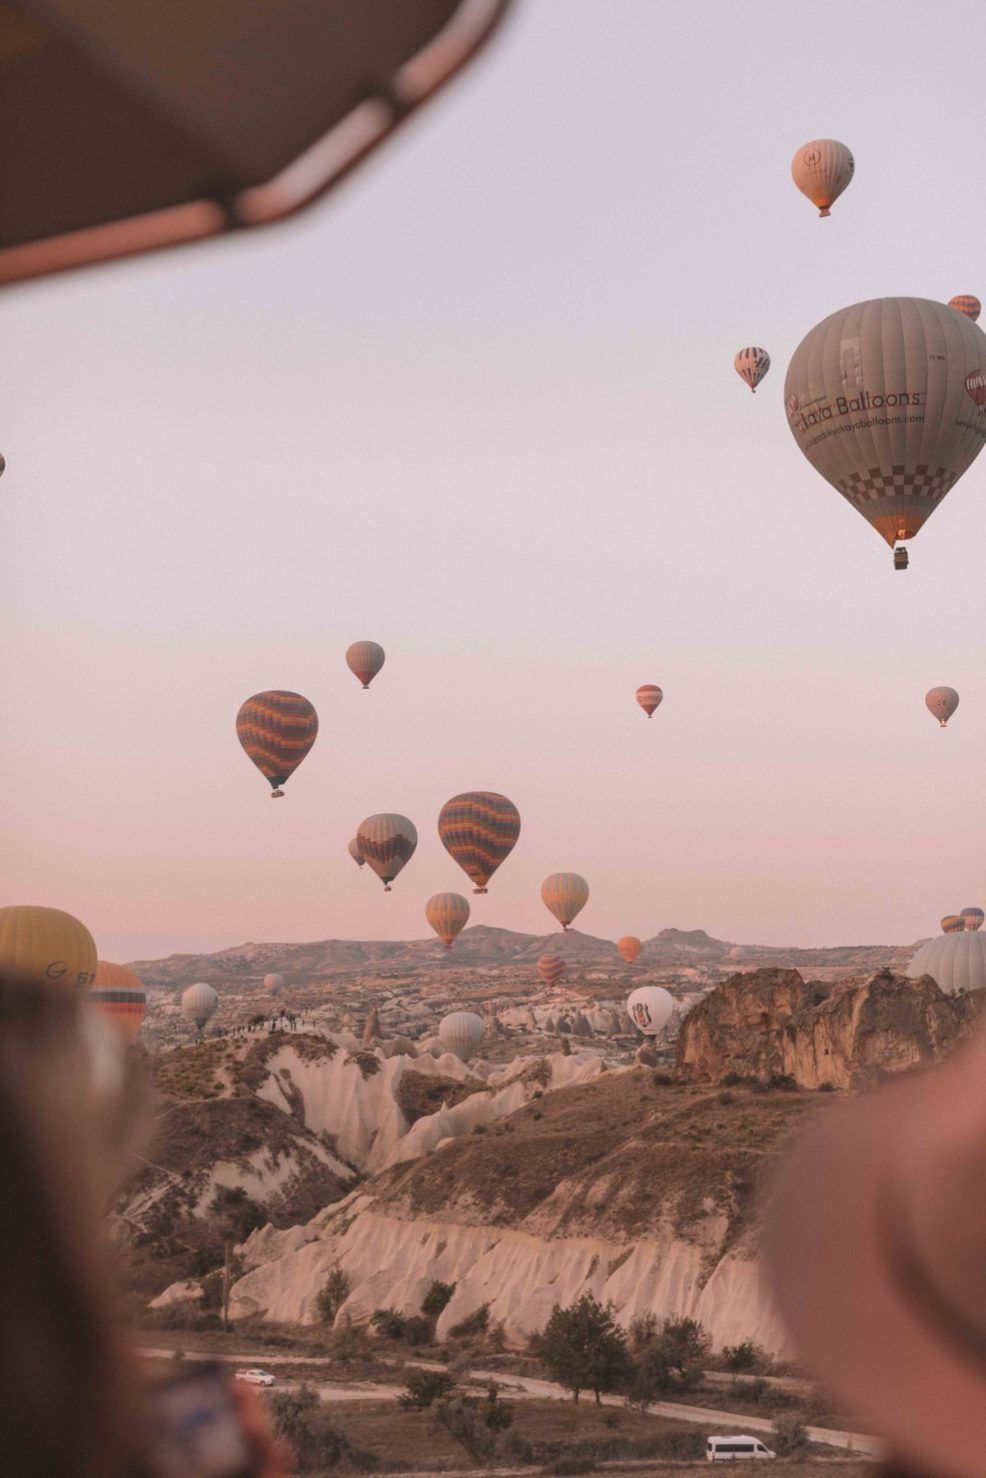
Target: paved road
[{"x": 533, "y": 1388}]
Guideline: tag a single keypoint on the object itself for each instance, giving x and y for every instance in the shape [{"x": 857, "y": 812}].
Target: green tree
[
  {"x": 477, "y": 1423},
  {"x": 422, "y": 1388},
  {"x": 745, "y": 1357},
  {"x": 333, "y": 1294},
  {"x": 673, "y": 1360},
  {"x": 301, "y": 1421},
  {"x": 790, "y": 1434},
  {"x": 584, "y": 1348},
  {"x": 437, "y": 1298}
]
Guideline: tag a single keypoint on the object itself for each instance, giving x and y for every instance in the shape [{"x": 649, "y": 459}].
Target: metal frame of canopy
[{"x": 132, "y": 125}]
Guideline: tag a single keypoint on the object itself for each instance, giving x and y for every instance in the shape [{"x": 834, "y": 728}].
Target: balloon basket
[
  {"x": 277, "y": 795},
  {"x": 901, "y": 559}
]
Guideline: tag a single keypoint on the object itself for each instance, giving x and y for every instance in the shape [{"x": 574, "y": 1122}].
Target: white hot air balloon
[
  {"x": 941, "y": 703},
  {"x": 955, "y": 961},
  {"x": 822, "y": 170},
  {"x": 461, "y": 1032},
  {"x": 649, "y": 1008},
  {"x": 751, "y": 365},
  {"x": 273, "y": 984},
  {"x": 887, "y": 401},
  {"x": 199, "y": 1003}
]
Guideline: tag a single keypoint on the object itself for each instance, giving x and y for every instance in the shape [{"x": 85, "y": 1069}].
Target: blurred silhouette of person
[
  {"x": 875, "y": 1247},
  {"x": 73, "y": 1402}
]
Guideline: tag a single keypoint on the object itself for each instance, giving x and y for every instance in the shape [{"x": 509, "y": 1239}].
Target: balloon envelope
[
  {"x": 942, "y": 703},
  {"x": 972, "y": 918},
  {"x": 630, "y": 947},
  {"x": 277, "y": 729},
  {"x": 387, "y": 842},
  {"x": 882, "y": 399},
  {"x": 365, "y": 659},
  {"x": 119, "y": 996},
  {"x": 273, "y": 984},
  {"x": 751, "y": 365},
  {"x": 46, "y": 946},
  {"x": 551, "y": 968},
  {"x": 565, "y": 894},
  {"x": 956, "y": 962},
  {"x": 199, "y": 1003},
  {"x": 968, "y": 304},
  {"x": 952, "y": 923},
  {"x": 649, "y": 697},
  {"x": 479, "y": 829},
  {"x": 461, "y": 1032},
  {"x": 649, "y": 1008},
  {"x": 822, "y": 170},
  {"x": 448, "y": 915}
]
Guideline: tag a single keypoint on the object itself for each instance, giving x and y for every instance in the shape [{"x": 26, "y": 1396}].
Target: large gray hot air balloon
[
  {"x": 887, "y": 400},
  {"x": 942, "y": 703},
  {"x": 461, "y": 1032},
  {"x": 956, "y": 962},
  {"x": 199, "y": 1003},
  {"x": 822, "y": 170}
]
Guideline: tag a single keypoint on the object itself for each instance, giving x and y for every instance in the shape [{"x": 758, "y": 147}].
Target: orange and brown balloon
[
  {"x": 386, "y": 843},
  {"x": 479, "y": 829},
  {"x": 551, "y": 968},
  {"x": 448, "y": 915},
  {"x": 649, "y": 697},
  {"x": 277, "y": 729},
  {"x": 629, "y": 947},
  {"x": 118, "y": 995},
  {"x": 364, "y": 660}
]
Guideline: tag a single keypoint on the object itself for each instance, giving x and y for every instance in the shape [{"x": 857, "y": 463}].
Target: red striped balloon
[
  {"x": 386, "y": 842},
  {"x": 551, "y": 968},
  {"x": 277, "y": 729},
  {"x": 968, "y": 304},
  {"x": 479, "y": 829},
  {"x": 119, "y": 996},
  {"x": 649, "y": 697},
  {"x": 365, "y": 659}
]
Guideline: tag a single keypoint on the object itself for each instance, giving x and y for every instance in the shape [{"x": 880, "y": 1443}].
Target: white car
[
  {"x": 736, "y": 1449},
  {"x": 255, "y": 1377}
]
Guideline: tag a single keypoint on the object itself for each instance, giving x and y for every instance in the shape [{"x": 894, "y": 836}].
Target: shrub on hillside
[
  {"x": 746, "y": 1356},
  {"x": 302, "y": 1422},
  {"x": 422, "y": 1388},
  {"x": 436, "y": 1298},
  {"x": 418, "y": 1330},
  {"x": 790, "y": 1434},
  {"x": 333, "y": 1294},
  {"x": 482, "y": 1426},
  {"x": 389, "y": 1323},
  {"x": 475, "y": 1323}
]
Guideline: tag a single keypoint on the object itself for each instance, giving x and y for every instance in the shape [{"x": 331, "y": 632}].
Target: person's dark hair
[{"x": 71, "y": 1404}]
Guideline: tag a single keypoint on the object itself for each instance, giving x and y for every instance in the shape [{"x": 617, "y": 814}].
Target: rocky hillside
[{"x": 773, "y": 1023}]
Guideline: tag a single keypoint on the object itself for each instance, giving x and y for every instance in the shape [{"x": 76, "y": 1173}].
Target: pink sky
[{"x": 481, "y": 409}]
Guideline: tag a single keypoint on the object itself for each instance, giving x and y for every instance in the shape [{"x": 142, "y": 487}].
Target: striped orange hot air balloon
[
  {"x": 551, "y": 968},
  {"x": 386, "y": 842},
  {"x": 751, "y": 365},
  {"x": 565, "y": 894},
  {"x": 953, "y": 923},
  {"x": 479, "y": 829},
  {"x": 649, "y": 697},
  {"x": 364, "y": 660},
  {"x": 968, "y": 304},
  {"x": 448, "y": 915},
  {"x": 119, "y": 996},
  {"x": 277, "y": 729},
  {"x": 629, "y": 947}
]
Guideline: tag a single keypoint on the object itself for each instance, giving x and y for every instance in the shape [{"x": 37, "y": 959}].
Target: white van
[{"x": 736, "y": 1450}]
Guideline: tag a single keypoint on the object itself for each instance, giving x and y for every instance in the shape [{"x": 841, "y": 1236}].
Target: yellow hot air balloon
[
  {"x": 119, "y": 996},
  {"x": 822, "y": 170},
  {"x": 565, "y": 894},
  {"x": 448, "y": 915},
  {"x": 629, "y": 947},
  {"x": 952, "y": 923},
  {"x": 47, "y": 946},
  {"x": 887, "y": 400}
]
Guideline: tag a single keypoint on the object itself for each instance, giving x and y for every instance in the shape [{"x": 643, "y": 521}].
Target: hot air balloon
[
  {"x": 365, "y": 659},
  {"x": 952, "y": 923},
  {"x": 273, "y": 984},
  {"x": 3, "y": 464},
  {"x": 629, "y": 947},
  {"x": 118, "y": 995},
  {"x": 565, "y": 894},
  {"x": 199, "y": 1003},
  {"x": 551, "y": 968},
  {"x": 972, "y": 918},
  {"x": 880, "y": 402},
  {"x": 751, "y": 365},
  {"x": 956, "y": 962},
  {"x": 649, "y": 1008},
  {"x": 461, "y": 1032},
  {"x": 967, "y": 304},
  {"x": 479, "y": 830},
  {"x": 822, "y": 170},
  {"x": 386, "y": 841},
  {"x": 448, "y": 915},
  {"x": 649, "y": 697},
  {"x": 46, "y": 946},
  {"x": 355, "y": 853},
  {"x": 277, "y": 729},
  {"x": 942, "y": 703}
]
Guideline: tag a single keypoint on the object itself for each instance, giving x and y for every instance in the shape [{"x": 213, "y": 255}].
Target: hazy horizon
[{"x": 481, "y": 408}]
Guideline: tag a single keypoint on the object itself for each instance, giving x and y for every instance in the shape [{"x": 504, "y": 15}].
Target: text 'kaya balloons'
[
  {"x": 883, "y": 399},
  {"x": 461, "y": 1032},
  {"x": 479, "y": 829},
  {"x": 952, "y": 923},
  {"x": 364, "y": 660},
  {"x": 448, "y": 915},
  {"x": 199, "y": 1003},
  {"x": 118, "y": 995},
  {"x": 387, "y": 842},
  {"x": 277, "y": 729},
  {"x": 649, "y": 697},
  {"x": 751, "y": 365},
  {"x": 649, "y": 1008},
  {"x": 822, "y": 170},
  {"x": 565, "y": 894},
  {"x": 942, "y": 703},
  {"x": 968, "y": 304},
  {"x": 629, "y": 947},
  {"x": 551, "y": 968},
  {"x": 45, "y": 946}
]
